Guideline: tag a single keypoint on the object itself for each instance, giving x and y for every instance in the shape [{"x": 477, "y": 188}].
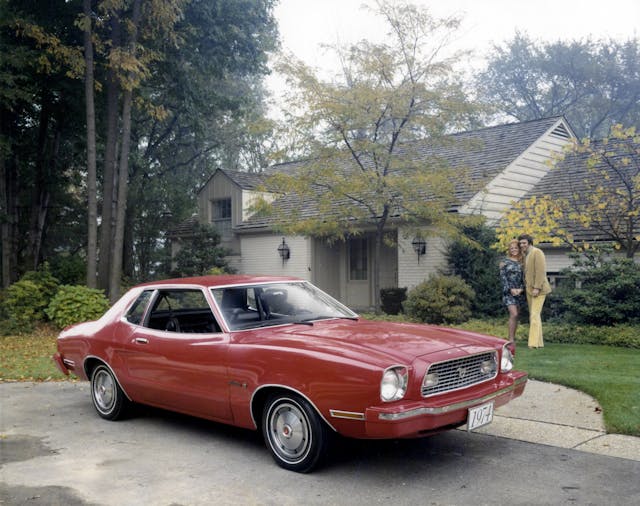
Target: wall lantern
[
  {"x": 419, "y": 246},
  {"x": 284, "y": 251}
]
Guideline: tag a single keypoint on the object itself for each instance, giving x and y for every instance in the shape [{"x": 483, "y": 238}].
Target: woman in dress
[{"x": 512, "y": 285}]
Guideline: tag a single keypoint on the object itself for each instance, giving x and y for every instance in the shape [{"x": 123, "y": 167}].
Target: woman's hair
[{"x": 515, "y": 242}]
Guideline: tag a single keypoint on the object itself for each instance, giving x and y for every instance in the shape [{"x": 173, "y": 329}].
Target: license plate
[{"x": 479, "y": 416}]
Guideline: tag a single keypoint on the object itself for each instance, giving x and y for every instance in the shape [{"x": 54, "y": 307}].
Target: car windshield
[{"x": 251, "y": 306}]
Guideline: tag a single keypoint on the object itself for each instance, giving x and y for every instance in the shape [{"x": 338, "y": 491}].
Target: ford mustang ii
[{"x": 277, "y": 354}]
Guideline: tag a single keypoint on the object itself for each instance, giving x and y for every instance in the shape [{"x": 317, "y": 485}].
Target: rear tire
[
  {"x": 108, "y": 398},
  {"x": 295, "y": 435}
]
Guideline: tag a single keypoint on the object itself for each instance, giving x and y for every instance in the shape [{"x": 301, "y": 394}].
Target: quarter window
[{"x": 136, "y": 313}]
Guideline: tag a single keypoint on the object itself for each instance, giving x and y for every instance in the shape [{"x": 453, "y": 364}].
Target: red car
[{"x": 279, "y": 355}]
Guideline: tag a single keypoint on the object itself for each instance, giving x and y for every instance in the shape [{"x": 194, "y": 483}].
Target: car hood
[{"x": 403, "y": 341}]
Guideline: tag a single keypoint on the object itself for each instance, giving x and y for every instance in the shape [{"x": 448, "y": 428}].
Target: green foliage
[
  {"x": 623, "y": 335},
  {"x": 391, "y": 299},
  {"x": 69, "y": 269},
  {"x": 74, "y": 304},
  {"x": 476, "y": 262},
  {"x": 200, "y": 252},
  {"x": 43, "y": 277},
  {"x": 25, "y": 301},
  {"x": 440, "y": 299},
  {"x": 25, "y": 304},
  {"x": 608, "y": 293}
]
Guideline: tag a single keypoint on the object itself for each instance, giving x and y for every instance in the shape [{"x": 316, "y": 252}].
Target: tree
[
  {"x": 90, "y": 112},
  {"x": 475, "y": 261},
  {"x": 594, "y": 84},
  {"x": 40, "y": 125},
  {"x": 600, "y": 200},
  {"x": 186, "y": 101},
  {"x": 357, "y": 132},
  {"x": 200, "y": 252}
]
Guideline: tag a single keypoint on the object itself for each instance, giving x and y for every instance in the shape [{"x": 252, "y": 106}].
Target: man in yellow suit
[{"x": 537, "y": 287}]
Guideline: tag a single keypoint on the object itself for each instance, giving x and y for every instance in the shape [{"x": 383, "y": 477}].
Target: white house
[{"x": 507, "y": 161}]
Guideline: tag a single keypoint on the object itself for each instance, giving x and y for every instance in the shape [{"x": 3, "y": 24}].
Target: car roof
[{"x": 221, "y": 280}]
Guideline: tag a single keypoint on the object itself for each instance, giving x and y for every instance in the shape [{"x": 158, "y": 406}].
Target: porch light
[
  {"x": 419, "y": 246},
  {"x": 284, "y": 251}
]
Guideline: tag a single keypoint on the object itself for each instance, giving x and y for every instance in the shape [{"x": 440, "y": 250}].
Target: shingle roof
[
  {"x": 246, "y": 180},
  {"x": 484, "y": 153},
  {"x": 184, "y": 229}
]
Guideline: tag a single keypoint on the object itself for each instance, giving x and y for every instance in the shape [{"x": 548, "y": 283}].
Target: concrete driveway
[{"x": 55, "y": 450}]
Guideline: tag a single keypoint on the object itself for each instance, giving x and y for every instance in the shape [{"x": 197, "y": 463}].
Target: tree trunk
[
  {"x": 123, "y": 173},
  {"x": 8, "y": 210},
  {"x": 92, "y": 225},
  {"x": 40, "y": 190},
  {"x": 377, "y": 254},
  {"x": 109, "y": 198}
]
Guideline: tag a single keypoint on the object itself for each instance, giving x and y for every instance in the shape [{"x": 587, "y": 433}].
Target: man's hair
[{"x": 527, "y": 237}]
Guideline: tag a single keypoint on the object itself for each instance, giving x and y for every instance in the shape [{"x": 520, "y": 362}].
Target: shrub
[
  {"x": 391, "y": 299},
  {"x": 476, "y": 262},
  {"x": 47, "y": 283},
  {"x": 24, "y": 303},
  {"x": 609, "y": 294},
  {"x": 440, "y": 299},
  {"x": 74, "y": 304},
  {"x": 69, "y": 269}
]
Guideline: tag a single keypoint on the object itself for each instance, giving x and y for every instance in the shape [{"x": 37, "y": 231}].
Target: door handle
[{"x": 141, "y": 340}]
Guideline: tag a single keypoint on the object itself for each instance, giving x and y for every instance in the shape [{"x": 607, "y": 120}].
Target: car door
[{"x": 174, "y": 368}]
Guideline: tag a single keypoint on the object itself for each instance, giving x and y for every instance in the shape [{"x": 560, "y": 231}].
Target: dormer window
[{"x": 221, "y": 217}]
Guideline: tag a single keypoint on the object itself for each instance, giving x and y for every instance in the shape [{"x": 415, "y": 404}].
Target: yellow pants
[{"x": 535, "y": 322}]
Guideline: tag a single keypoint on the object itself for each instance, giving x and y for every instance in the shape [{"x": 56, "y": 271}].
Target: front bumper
[{"x": 419, "y": 419}]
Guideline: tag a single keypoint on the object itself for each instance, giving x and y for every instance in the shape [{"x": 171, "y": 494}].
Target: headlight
[
  {"x": 394, "y": 383},
  {"x": 507, "y": 359}
]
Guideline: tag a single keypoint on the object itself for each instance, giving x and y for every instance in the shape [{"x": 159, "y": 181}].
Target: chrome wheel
[
  {"x": 289, "y": 432},
  {"x": 108, "y": 398},
  {"x": 104, "y": 391},
  {"x": 294, "y": 433}
]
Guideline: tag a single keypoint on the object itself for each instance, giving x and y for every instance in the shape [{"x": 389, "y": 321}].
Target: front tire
[
  {"x": 295, "y": 435},
  {"x": 107, "y": 396}
]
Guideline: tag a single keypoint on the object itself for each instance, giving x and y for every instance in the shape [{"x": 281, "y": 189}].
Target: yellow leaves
[
  {"x": 541, "y": 217},
  {"x": 55, "y": 54}
]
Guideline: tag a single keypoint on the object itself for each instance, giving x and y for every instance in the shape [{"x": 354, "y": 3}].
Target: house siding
[
  {"x": 412, "y": 272},
  {"x": 260, "y": 256},
  {"x": 221, "y": 187}
]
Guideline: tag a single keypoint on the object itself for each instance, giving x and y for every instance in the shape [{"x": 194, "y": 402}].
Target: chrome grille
[{"x": 461, "y": 373}]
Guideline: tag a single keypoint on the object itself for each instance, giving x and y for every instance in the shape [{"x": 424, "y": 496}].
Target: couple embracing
[{"x": 522, "y": 272}]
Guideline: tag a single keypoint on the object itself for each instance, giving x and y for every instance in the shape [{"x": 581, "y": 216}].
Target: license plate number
[{"x": 479, "y": 416}]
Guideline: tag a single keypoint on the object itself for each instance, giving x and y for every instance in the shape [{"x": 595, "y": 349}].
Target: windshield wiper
[{"x": 326, "y": 317}]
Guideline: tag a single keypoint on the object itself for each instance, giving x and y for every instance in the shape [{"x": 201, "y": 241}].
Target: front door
[{"x": 359, "y": 273}]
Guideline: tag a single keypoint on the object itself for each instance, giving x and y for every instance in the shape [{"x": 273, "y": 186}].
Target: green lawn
[{"x": 610, "y": 374}]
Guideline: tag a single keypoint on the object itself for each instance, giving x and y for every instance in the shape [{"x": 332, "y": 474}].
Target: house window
[
  {"x": 221, "y": 217},
  {"x": 358, "y": 260}
]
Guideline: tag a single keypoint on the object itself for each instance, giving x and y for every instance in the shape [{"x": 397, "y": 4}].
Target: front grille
[{"x": 461, "y": 373}]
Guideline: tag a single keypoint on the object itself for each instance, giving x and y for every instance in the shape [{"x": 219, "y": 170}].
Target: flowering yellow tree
[
  {"x": 601, "y": 199},
  {"x": 541, "y": 217}
]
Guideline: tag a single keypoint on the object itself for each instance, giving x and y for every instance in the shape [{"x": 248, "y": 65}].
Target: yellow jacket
[{"x": 535, "y": 271}]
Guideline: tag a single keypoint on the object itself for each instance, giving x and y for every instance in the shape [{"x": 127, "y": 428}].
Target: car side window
[
  {"x": 137, "y": 310},
  {"x": 182, "y": 310}
]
